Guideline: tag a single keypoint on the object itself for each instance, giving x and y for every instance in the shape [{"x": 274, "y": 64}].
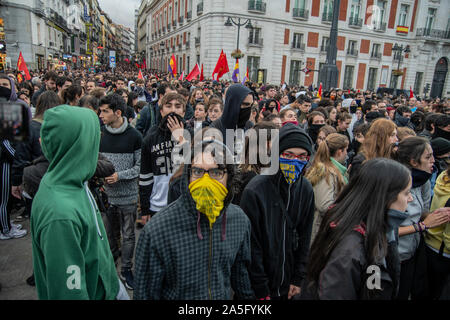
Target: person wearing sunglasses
[
  {"x": 198, "y": 247},
  {"x": 281, "y": 210}
]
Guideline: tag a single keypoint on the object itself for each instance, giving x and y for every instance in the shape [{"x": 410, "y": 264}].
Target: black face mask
[
  {"x": 244, "y": 115},
  {"x": 163, "y": 125},
  {"x": 356, "y": 145},
  {"x": 441, "y": 134},
  {"x": 5, "y": 93},
  {"x": 353, "y": 109}
]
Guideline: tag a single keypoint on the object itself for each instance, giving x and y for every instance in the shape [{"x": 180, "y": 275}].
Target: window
[
  {"x": 294, "y": 73},
  {"x": 298, "y": 40},
  {"x": 352, "y": 45},
  {"x": 253, "y": 66},
  {"x": 403, "y": 15},
  {"x": 182, "y": 8},
  {"x": 300, "y": 4},
  {"x": 348, "y": 77},
  {"x": 170, "y": 15},
  {"x": 198, "y": 58},
  {"x": 371, "y": 80},
  {"x": 39, "y": 33},
  {"x": 418, "y": 82},
  {"x": 355, "y": 9},
  {"x": 254, "y": 35},
  {"x": 430, "y": 20},
  {"x": 328, "y": 7},
  {"x": 325, "y": 44},
  {"x": 376, "y": 50},
  {"x": 188, "y": 63}
]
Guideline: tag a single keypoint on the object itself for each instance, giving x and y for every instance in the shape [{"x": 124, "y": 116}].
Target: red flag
[
  {"x": 411, "y": 93},
  {"x": 144, "y": 64},
  {"x": 194, "y": 73},
  {"x": 319, "y": 94},
  {"x": 201, "y": 74},
  {"x": 140, "y": 76},
  {"x": 221, "y": 66},
  {"x": 137, "y": 65},
  {"x": 181, "y": 76},
  {"x": 22, "y": 66}
]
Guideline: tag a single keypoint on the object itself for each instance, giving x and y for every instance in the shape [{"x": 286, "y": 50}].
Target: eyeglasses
[
  {"x": 215, "y": 173},
  {"x": 291, "y": 156}
]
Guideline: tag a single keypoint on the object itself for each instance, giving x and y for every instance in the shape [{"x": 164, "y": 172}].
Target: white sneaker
[
  {"x": 16, "y": 226},
  {"x": 13, "y": 234}
]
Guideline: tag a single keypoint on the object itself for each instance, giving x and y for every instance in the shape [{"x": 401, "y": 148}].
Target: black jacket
[
  {"x": 348, "y": 275},
  {"x": 280, "y": 238},
  {"x": 356, "y": 164}
]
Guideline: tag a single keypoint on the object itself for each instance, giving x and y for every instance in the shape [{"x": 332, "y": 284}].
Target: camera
[{"x": 14, "y": 121}]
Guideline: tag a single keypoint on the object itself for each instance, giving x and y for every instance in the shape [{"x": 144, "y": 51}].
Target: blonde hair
[
  {"x": 405, "y": 132},
  {"x": 204, "y": 97},
  {"x": 322, "y": 166},
  {"x": 376, "y": 142}
]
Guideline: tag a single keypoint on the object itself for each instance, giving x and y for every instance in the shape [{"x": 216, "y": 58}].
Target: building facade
[{"x": 290, "y": 36}]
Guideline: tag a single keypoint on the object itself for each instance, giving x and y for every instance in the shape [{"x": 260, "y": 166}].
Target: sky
[{"x": 120, "y": 11}]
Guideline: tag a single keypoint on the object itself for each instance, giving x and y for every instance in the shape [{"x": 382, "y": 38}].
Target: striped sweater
[{"x": 122, "y": 146}]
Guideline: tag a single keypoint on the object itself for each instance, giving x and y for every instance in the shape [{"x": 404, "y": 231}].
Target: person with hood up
[
  {"x": 71, "y": 255},
  {"x": 281, "y": 211},
  {"x": 402, "y": 117},
  {"x": 198, "y": 247}
]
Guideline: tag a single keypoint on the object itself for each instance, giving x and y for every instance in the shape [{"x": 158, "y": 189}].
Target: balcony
[
  {"x": 59, "y": 20},
  {"x": 200, "y": 8},
  {"x": 164, "y": 29},
  {"x": 189, "y": 16},
  {"x": 352, "y": 52},
  {"x": 181, "y": 20},
  {"x": 298, "y": 46},
  {"x": 301, "y": 14},
  {"x": 379, "y": 26},
  {"x": 355, "y": 22},
  {"x": 256, "y": 6},
  {"x": 188, "y": 44},
  {"x": 168, "y": 27},
  {"x": 38, "y": 8},
  {"x": 432, "y": 34},
  {"x": 174, "y": 23},
  {"x": 255, "y": 42},
  {"x": 327, "y": 17},
  {"x": 197, "y": 41},
  {"x": 375, "y": 56}
]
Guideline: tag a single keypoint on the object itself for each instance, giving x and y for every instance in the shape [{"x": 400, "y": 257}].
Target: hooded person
[
  {"x": 71, "y": 255},
  {"x": 281, "y": 211},
  {"x": 198, "y": 247},
  {"x": 236, "y": 111}
]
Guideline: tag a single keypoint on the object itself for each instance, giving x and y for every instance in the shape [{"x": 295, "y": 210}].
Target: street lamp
[
  {"x": 399, "y": 54},
  {"x": 230, "y": 22}
]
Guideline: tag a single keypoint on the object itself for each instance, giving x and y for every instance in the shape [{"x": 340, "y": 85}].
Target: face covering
[
  {"x": 139, "y": 90},
  {"x": 313, "y": 131},
  {"x": 5, "y": 93},
  {"x": 442, "y": 134},
  {"x": 294, "y": 122},
  {"x": 353, "y": 109},
  {"x": 401, "y": 120},
  {"x": 419, "y": 177},
  {"x": 164, "y": 121},
  {"x": 314, "y": 105},
  {"x": 394, "y": 219},
  {"x": 291, "y": 169},
  {"x": 209, "y": 195},
  {"x": 244, "y": 115}
]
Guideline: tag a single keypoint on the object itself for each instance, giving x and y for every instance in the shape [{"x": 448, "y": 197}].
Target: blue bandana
[{"x": 291, "y": 169}]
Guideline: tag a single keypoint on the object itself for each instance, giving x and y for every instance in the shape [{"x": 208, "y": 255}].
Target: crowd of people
[{"x": 357, "y": 208}]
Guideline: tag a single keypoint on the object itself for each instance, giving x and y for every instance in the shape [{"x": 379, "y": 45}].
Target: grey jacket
[{"x": 408, "y": 244}]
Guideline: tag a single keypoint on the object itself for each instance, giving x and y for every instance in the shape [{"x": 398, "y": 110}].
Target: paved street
[{"x": 16, "y": 266}]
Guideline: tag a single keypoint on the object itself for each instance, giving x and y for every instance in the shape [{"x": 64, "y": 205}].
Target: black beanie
[
  {"x": 291, "y": 136},
  {"x": 440, "y": 146}
]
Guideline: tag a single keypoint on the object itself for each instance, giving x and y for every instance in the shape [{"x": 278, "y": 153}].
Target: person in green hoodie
[
  {"x": 71, "y": 255},
  {"x": 327, "y": 175}
]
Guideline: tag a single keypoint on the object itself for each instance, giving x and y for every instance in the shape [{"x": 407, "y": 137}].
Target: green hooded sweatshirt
[{"x": 71, "y": 255}]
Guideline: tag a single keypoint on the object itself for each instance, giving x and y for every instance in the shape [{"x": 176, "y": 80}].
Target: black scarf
[{"x": 419, "y": 177}]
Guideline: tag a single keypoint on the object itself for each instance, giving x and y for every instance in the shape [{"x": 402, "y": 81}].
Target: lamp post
[
  {"x": 329, "y": 73},
  {"x": 399, "y": 53},
  {"x": 248, "y": 25}
]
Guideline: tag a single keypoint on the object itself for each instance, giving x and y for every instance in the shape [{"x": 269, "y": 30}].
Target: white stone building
[{"x": 289, "y": 35}]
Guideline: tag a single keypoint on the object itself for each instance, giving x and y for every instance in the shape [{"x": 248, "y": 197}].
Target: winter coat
[
  {"x": 179, "y": 257},
  {"x": 281, "y": 216}
]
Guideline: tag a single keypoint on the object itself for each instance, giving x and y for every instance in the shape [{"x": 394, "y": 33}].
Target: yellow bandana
[{"x": 209, "y": 195}]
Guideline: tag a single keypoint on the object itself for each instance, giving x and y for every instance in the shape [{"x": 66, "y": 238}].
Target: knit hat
[
  {"x": 292, "y": 136},
  {"x": 440, "y": 146}
]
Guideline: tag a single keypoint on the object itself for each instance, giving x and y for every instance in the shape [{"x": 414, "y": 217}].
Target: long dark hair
[
  {"x": 46, "y": 100},
  {"x": 364, "y": 200},
  {"x": 409, "y": 149}
]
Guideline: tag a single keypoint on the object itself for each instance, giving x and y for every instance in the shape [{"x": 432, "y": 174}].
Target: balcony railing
[
  {"x": 200, "y": 8},
  {"x": 324, "y": 48},
  {"x": 164, "y": 29},
  {"x": 168, "y": 27},
  {"x": 300, "y": 13},
  {"x": 327, "y": 16},
  {"x": 189, "y": 16},
  {"x": 255, "y": 42},
  {"x": 181, "y": 19},
  {"x": 197, "y": 41},
  {"x": 379, "y": 26},
  {"x": 298, "y": 46},
  {"x": 375, "y": 55},
  {"x": 39, "y": 8},
  {"x": 352, "y": 52},
  {"x": 432, "y": 33},
  {"x": 355, "y": 22},
  {"x": 257, "y": 6},
  {"x": 174, "y": 23}
]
